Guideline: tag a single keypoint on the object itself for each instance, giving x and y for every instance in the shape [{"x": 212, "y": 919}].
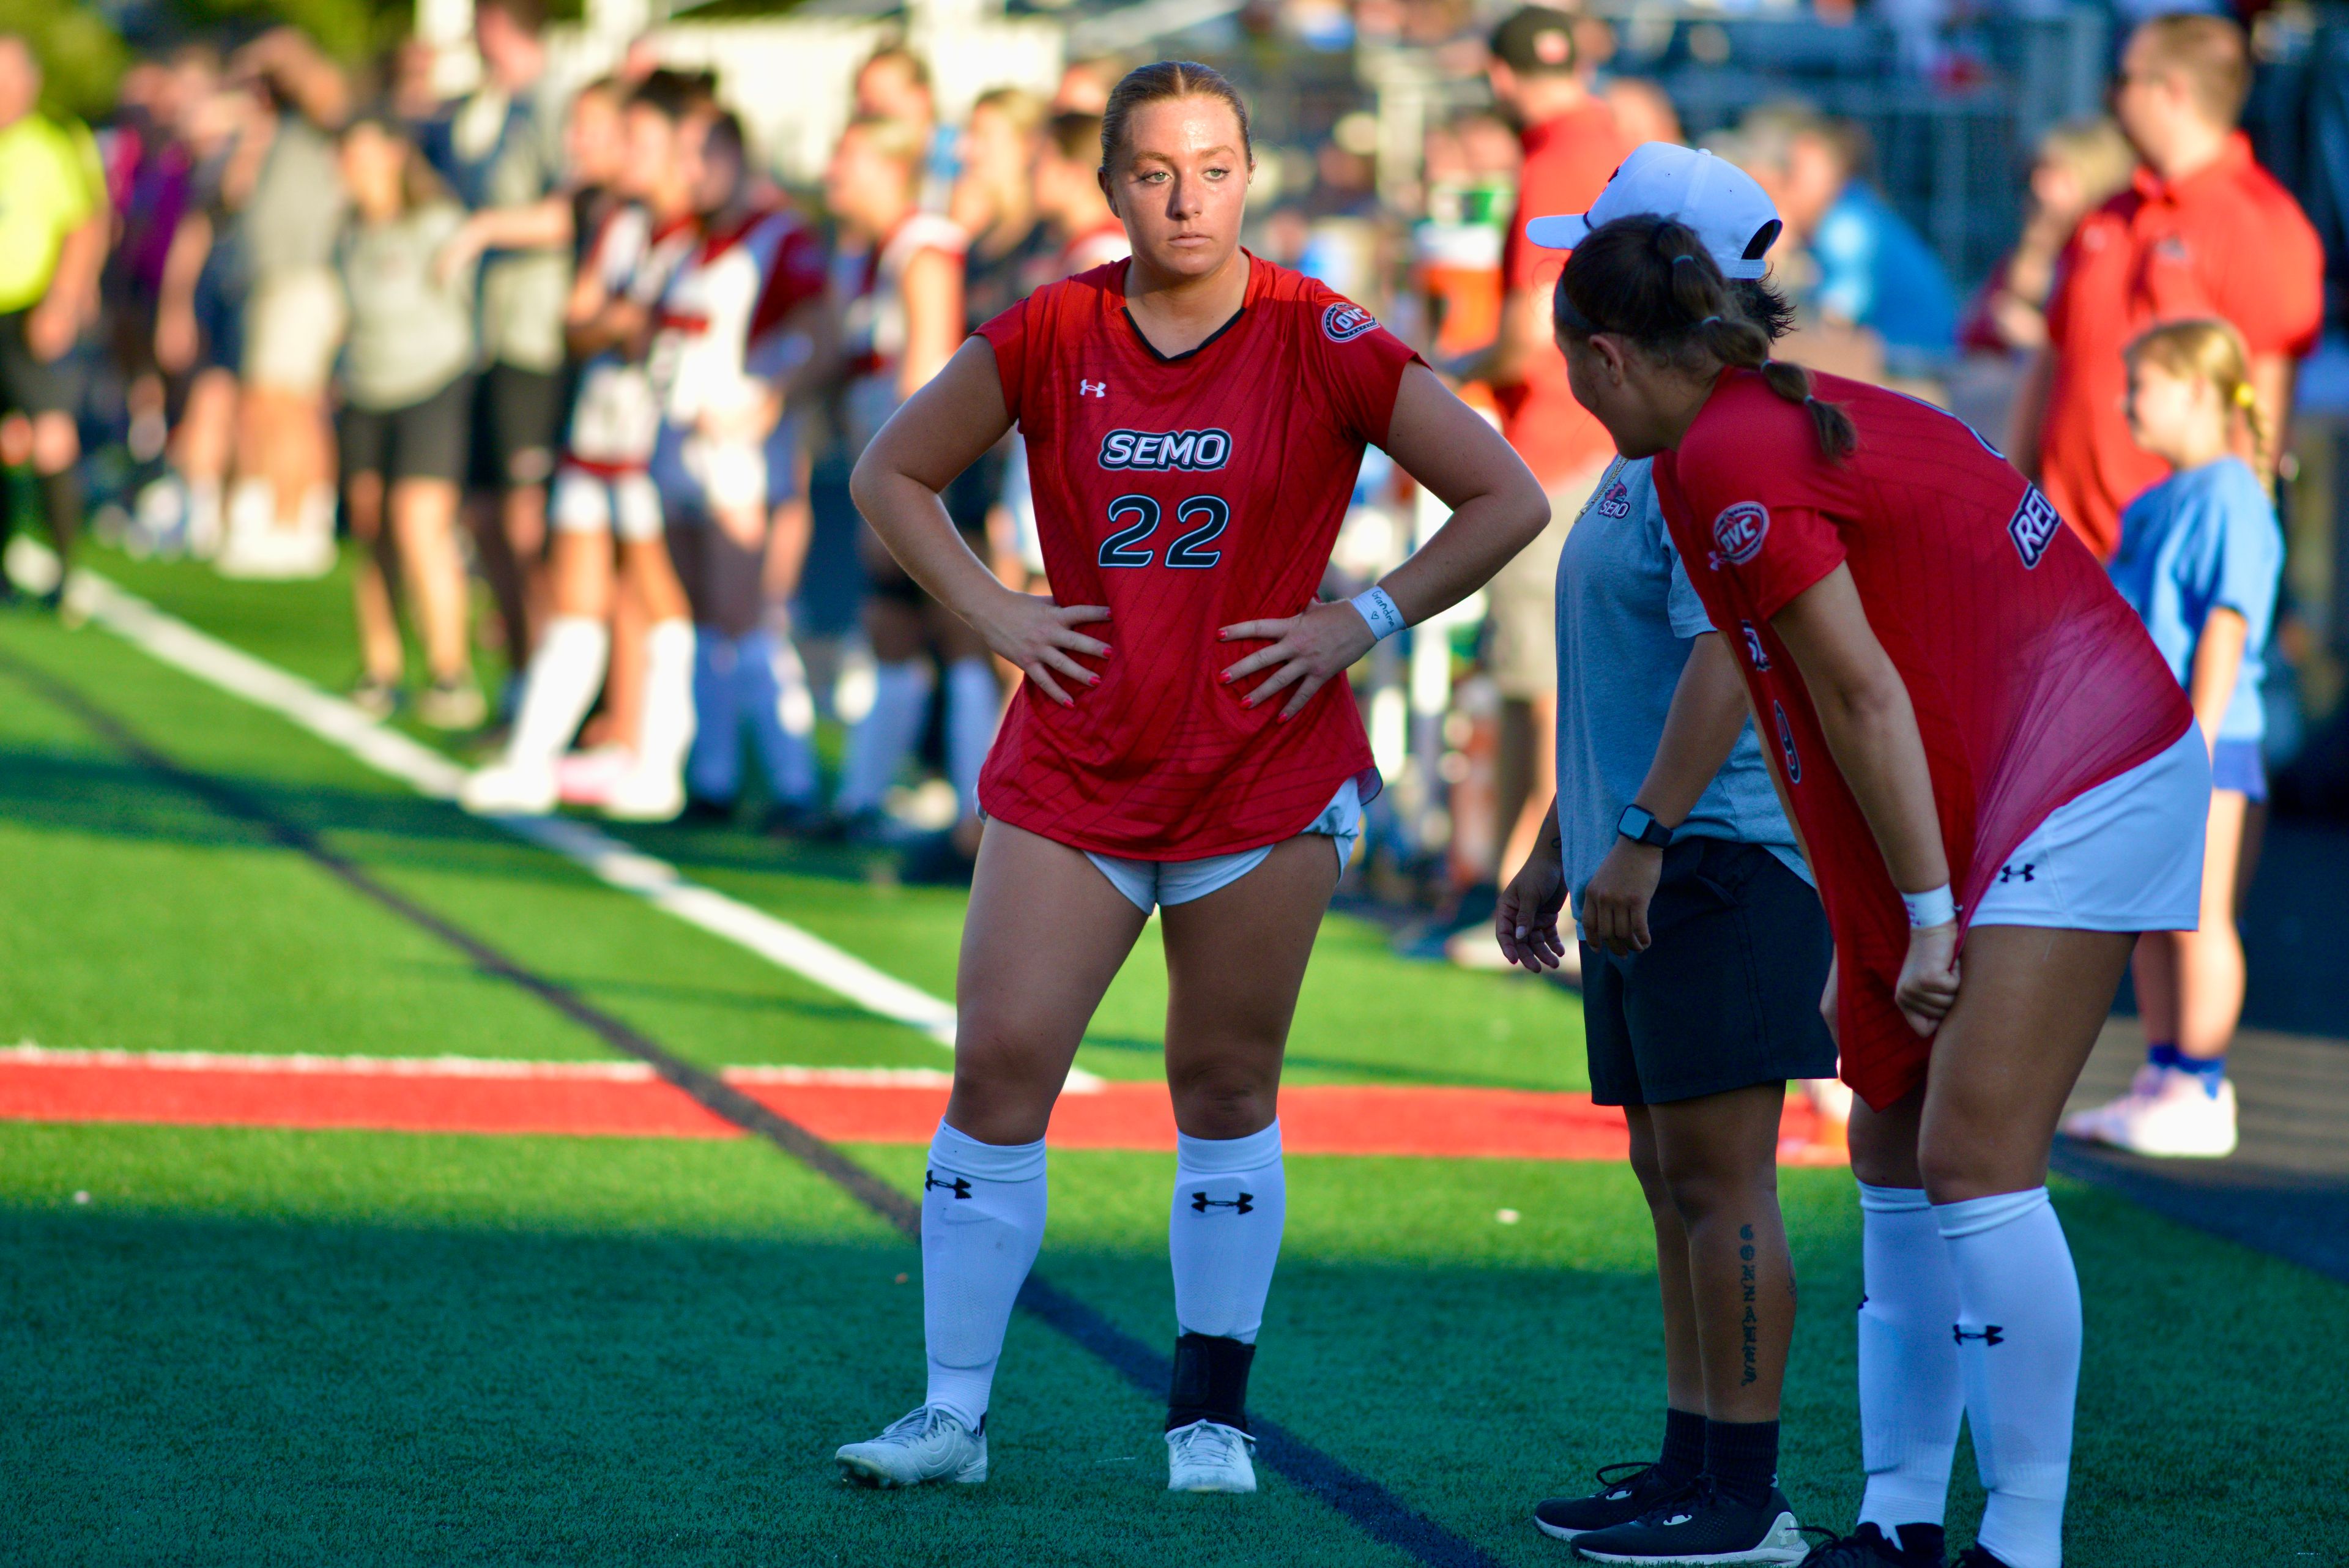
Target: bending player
[
  {"x": 603, "y": 493},
  {"x": 1967, "y": 721},
  {"x": 1194, "y": 419}
]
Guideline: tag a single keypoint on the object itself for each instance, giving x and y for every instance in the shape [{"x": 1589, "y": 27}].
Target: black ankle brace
[{"x": 1211, "y": 1377}]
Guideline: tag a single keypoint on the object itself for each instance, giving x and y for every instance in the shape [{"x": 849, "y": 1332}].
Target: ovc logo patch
[
  {"x": 1738, "y": 533},
  {"x": 1342, "y": 322}
]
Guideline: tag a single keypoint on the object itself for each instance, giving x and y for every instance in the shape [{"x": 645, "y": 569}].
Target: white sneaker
[
  {"x": 924, "y": 1445},
  {"x": 508, "y": 789},
  {"x": 645, "y": 793},
  {"x": 1207, "y": 1456},
  {"x": 2167, "y": 1114}
]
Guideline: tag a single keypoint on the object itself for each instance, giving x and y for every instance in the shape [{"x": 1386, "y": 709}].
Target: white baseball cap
[{"x": 1720, "y": 201}]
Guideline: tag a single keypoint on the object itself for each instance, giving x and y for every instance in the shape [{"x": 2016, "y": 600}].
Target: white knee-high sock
[
  {"x": 973, "y": 704},
  {"x": 774, "y": 698},
  {"x": 1231, "y": 1199},
  {"x": 982, "y": 1221},
  {"x": 1910, "y": 1400},
  {"x": 713, "y": 769},
  {"x": 564, "y": 675},
  {"x": 901, "y": 700},
  {"x": 2018, "y": 1342},
  {"x": 668, "y": 730}
]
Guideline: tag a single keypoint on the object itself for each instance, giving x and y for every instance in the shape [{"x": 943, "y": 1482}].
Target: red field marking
[{"x": 843, "y": 1106}]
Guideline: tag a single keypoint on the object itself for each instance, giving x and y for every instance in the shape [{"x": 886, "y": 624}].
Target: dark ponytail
[{"x": 1647, "y": 279}]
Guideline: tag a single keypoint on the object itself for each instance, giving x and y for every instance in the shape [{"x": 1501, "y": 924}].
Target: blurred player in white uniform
[
  {"x": 604, "y": 493},
  {"x": 745, "y": 330}
]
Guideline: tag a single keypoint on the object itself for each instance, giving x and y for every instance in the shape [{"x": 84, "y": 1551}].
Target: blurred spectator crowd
[{"x": 572, "y": 383}]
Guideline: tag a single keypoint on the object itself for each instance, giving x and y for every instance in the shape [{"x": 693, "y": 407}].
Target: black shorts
[
  {"x": 722, "y": 579},
  {"x": 1727, "y": 995},
  {"x": 423, "y": 441},
  {"x": 517, "y": 424},
  {"x": 35, "y": 386}
]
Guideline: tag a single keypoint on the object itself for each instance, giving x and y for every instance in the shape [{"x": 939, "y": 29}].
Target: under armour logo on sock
[
  {"x": 1990, "y": 1335},
  {"x": 1245, "y": 1203},
  {"x": 2023, "y": 873},
  {"x": 958, "y": 1186}
]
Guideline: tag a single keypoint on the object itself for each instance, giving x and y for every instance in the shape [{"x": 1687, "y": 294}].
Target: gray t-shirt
[
  {"x": 1626, "y": 619},
  {"x": 296, "y": 207},
  {"x": 411, "y": 334},
  {"x": 509, "y": 152}
]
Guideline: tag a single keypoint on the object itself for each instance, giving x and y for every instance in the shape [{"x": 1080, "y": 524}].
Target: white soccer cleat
[
  {"x": 2165, "y": 1113},
  {"x": 508, "y": 789},
  {"x": 924, "y": 1445},
  {"x": 1207, "y": 1456},
  {"x": 645, "y": 793}
]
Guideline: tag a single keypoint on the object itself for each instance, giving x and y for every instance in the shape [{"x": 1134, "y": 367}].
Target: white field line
[
  {"x": 608, "y": 860},
  {"x": 302, "y": 1064}
]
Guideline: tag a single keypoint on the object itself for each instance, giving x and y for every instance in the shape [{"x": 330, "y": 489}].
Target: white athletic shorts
[
  {"x": 624, "y": 506},
  {"x": 1169, "y": 882},
  {"x": 2126, "y": 855}
]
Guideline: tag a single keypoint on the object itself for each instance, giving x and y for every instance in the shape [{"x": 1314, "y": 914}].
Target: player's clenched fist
[{"x": 1040, "y": 635}]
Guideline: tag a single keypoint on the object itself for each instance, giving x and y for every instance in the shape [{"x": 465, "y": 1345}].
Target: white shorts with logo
[
  {"x": 2126, "y": 855},
  {"x": 624, "y": 506},
  {"x": 1148, "y": 883}
]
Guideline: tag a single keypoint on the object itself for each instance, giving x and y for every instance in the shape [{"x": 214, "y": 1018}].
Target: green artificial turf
[{"x": 293, "y": 1347}]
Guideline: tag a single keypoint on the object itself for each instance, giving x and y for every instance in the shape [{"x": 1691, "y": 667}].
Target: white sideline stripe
[
  {"x": 609, "y": 861},
  {"x": 304, "y": 1063}
]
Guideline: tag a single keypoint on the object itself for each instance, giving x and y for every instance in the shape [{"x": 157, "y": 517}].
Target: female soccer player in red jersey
[
  {"x": 1194, "y": 419},
  {"x": 1968, "y": 721}
]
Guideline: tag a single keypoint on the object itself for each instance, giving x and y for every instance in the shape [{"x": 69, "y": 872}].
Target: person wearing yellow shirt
[{"x": 53, "y": 231}]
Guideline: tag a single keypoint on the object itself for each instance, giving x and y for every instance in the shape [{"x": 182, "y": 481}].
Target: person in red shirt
[
  {"x": 1572, "y": 146},
  {"x": 1184, "y": 739},
  {"x": 2202, "y": 231},
  {"x": 1978, "y": 743}
]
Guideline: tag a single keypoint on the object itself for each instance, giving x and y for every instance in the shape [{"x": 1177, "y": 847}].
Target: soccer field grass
[{"x": 253, "y": 1345}]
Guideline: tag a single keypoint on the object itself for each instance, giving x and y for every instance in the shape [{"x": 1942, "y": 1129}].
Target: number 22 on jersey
[{"x": 1129, "y": 546}]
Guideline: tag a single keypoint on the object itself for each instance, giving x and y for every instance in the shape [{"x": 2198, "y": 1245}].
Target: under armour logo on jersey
[
  {"x": 1738, "y": 533},
  {"x": 1992, "y": 1334},
  {"x": 1091, "y": 389},
  {"x": 958, "y": 1186},
  {"x": 1754, "y": 649},
  {"x": 1787, "y": 745},
  {"x": 1342, "y": 322},
  {"x": 2032, "y": 527},
  {"x": 2023, "y": 873},
  {"x": 1243, "y": 1204}
]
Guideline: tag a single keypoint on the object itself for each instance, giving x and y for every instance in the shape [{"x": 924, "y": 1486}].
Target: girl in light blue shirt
[{"x": 2200, "y": 559}]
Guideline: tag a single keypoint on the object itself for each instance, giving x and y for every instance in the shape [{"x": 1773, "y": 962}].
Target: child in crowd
[
  {"x": 2200, "y": 556},
  {"x": 407, "y": 379}
]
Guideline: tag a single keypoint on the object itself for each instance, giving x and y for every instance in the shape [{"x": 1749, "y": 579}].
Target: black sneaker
[
  {"x": 1701, "y": 1525},
  {"x": 1625, "y": 1492},
  {"x": 1977, "y": 1557},
  {"x": 1869, "y": 1547}
]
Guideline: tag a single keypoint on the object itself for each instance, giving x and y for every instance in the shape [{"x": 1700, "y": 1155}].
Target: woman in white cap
[{"x": 1703, "y": 952}]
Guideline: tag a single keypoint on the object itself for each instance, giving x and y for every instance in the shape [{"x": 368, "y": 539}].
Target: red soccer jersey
[
  {"x": 1186, "y": 493},
  {"x": 2031, "y": 678}
]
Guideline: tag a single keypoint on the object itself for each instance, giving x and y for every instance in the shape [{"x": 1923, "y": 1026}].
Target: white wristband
[
  {"x": 1379, "y": 610},
  {"x": 1933, "y": 906}
]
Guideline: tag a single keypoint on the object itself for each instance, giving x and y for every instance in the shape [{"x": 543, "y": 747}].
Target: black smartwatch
[{"x": 1640, "y": 827}]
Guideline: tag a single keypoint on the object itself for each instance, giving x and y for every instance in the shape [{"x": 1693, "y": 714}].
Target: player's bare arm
[
  {"x": 1864, "y": 711},
  {"x": 939, "y": 432},
  {"x": 2218, "y": 660},
  {"x": 1498, "y": 509},
  {"x": 1701, "y": 726},
  {"x": 1524, "y": 921}
]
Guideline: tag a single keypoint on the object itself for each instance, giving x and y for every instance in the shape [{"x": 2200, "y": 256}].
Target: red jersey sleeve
[
  {"x": 1747, "y": 489},
  {"x": 1358, "y": 365},
  {"x": 1008, "y": 336}
]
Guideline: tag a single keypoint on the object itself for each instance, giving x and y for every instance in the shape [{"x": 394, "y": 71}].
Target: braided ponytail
[{"x": 1649, "y": 279}]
